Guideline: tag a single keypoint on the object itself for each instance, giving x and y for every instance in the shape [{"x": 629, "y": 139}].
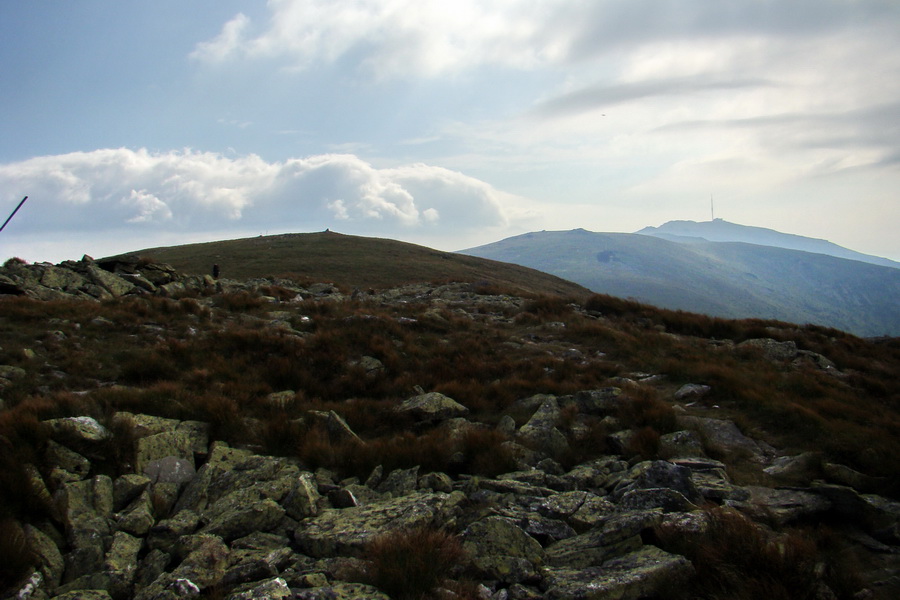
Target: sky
[{"x": 139, "y": 124}]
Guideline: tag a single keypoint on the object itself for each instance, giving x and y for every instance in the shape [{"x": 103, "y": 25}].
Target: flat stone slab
[
  {"x": 347, "y": 531},
  {"x": 630, "y": 577}
]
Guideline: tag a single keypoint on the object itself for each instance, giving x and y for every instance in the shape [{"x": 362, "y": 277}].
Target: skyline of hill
[{"x": 724, "y": 279}]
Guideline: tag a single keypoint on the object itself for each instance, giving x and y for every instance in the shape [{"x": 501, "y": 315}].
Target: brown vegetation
[
  {"x": 410, "y": 564},
  {"x": 735, "y": 558}
]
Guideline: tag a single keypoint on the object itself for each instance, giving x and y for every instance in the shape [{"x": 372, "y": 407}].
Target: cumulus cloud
[{"x": 195, "y": 191}]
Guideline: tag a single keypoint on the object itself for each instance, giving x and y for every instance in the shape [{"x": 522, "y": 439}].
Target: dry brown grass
[
  {"x": 409, "y": 564},
  {"x": 736, "y": 558}
]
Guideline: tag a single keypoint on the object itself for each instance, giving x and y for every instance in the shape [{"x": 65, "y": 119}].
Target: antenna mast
[{"x": 712, "y": 209}]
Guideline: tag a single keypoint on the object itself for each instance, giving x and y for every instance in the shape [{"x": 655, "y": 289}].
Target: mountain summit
[
  {"x": 719, "y": 230},
  {"x": 733, "y": 279}
]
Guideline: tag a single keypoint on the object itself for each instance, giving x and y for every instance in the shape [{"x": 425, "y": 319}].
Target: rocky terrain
[{"x": 582, "y": 493}]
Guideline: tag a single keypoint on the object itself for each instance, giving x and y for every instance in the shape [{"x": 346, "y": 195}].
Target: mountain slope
[
  {"x": 733, "y": 280},
  {"x": 720, "y": 230},
  {"x": 352, "y": 261}
]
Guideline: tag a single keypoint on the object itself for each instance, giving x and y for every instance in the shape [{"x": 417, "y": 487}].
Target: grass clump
[
  {"x": 409, "y": 564},
  {"x": 737, "y": 559}
]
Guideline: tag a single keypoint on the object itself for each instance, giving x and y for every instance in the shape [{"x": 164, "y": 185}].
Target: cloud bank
[
  {"x": 138, "y": 190},
  {"x": 405, "y": 38}
]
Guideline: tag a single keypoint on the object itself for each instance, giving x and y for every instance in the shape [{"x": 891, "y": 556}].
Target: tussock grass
[
  {"x": 409, "y": 564},
  {"x": 736, "y": 558}
]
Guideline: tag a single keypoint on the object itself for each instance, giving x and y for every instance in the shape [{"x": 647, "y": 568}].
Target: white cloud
[
  {"x": 188, "y": 191},
  {"x": 226, "y": 44},
  {"x": 403, "y": 38},
  {"x": 395, "y": 38}
]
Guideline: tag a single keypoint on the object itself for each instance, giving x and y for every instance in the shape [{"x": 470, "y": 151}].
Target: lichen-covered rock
[
  {"x": 540, "y": 431},
  {"x": 599, "y": 402},
  {"x": 641, "y": 574},
  {"x": 84, "y": 595},
  {"x": 128, "y": 487},
  {"x": 137, "y": 518},
  {"x": 772, "y": 349},
  {"x": 303, "y": 499},
  {"x": 399, "y": 482},
  {"x": 724, "y": 436},
  {"x": 786, "y": 505},
  {"x": 681, "y": 444},
  {"x": 51, "y": 562},
  {"x": 598, "y": 474},
  {"x": 658, "y": 474},
  {"x": 170, "y": 470},
  {"x": 333, "y": 424},
  {"x": 234, "y": 518},
  {"x": 347, "y": 531},
  {"x": 10, "y": 372},
  {"x": 164, "y": 534},
  {"x": 113, "y": 284},
  {"x": 500, "y": 549},
  {"x": 206, "y": 558},
  {"x": 431, "y": 407},
  {"x": 86, "y": 509},
  {"x": 271, "y": 589},
  {"x": 161, "y": 445},
  {"x": 436, "y": 482},
  {"x": 255, "y": 565},
  {"x": 121, "y": 563},
  {"x": 341, "y": 591},
  {"x": 67, "y": 460},
  {"x": 691, "y": 391},
  {"x": 663, "y": 498},
  {"x": 795, "y": 470},
  {"x": 79, "y": 429},
  {"x": 618, "y": 535}
]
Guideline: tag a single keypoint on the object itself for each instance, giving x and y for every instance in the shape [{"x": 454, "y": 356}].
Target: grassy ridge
[{"x": 353, "y": 261}]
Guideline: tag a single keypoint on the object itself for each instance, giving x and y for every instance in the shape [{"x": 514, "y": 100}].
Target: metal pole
[{"x": 9, "y": 218}]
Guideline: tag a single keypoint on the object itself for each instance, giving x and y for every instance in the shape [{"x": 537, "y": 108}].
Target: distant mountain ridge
[
  {"x": 719, "y": 230},
  {"x": 724, "y": 279}
]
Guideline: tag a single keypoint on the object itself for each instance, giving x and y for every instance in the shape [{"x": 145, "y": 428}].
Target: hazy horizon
[{"x": 136, "y": 125}]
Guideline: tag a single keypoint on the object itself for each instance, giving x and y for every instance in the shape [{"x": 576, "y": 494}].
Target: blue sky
[{"x": 449, "y": 124}]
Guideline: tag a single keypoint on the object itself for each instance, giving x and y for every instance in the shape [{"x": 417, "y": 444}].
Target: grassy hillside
[
  {"x": 263, "y": 373},
  {"x": 353, "y": 262}
]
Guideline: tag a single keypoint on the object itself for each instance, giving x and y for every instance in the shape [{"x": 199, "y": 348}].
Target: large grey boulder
[
  {"x": 77, "y": 429},
  {"x": 161, "y": 445},
  {"x": 347, "y": 531},
  {"x": 540, "y": 432},
  {"x": 120, "y": 563},
  {"x": 204, "y": 564},
  {"x": 600, "y": 402},
  {"x": 137, "y": 518},
  {"x": 51, "y": 563},
  {"x": 616, "y": 536},
  {"x": 773, "y": 350},
  {"x": 658, "y": 474},
  {"x": 432, "y": 407},
  {"x": 341, "y": 591},
  {"x": 500, "y": 549},
  {"x": 86, "y": 510},
  {"x": 786, "y": 505},
  {"x": 271, "y": 589},
  {"x": 640, "y": 574},
  {"x": 240, "y": 513},
  {"x": 724, "y": 436}
]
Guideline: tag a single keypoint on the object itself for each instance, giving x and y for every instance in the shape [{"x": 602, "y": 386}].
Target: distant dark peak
[{"x": 579, "y": 230}]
